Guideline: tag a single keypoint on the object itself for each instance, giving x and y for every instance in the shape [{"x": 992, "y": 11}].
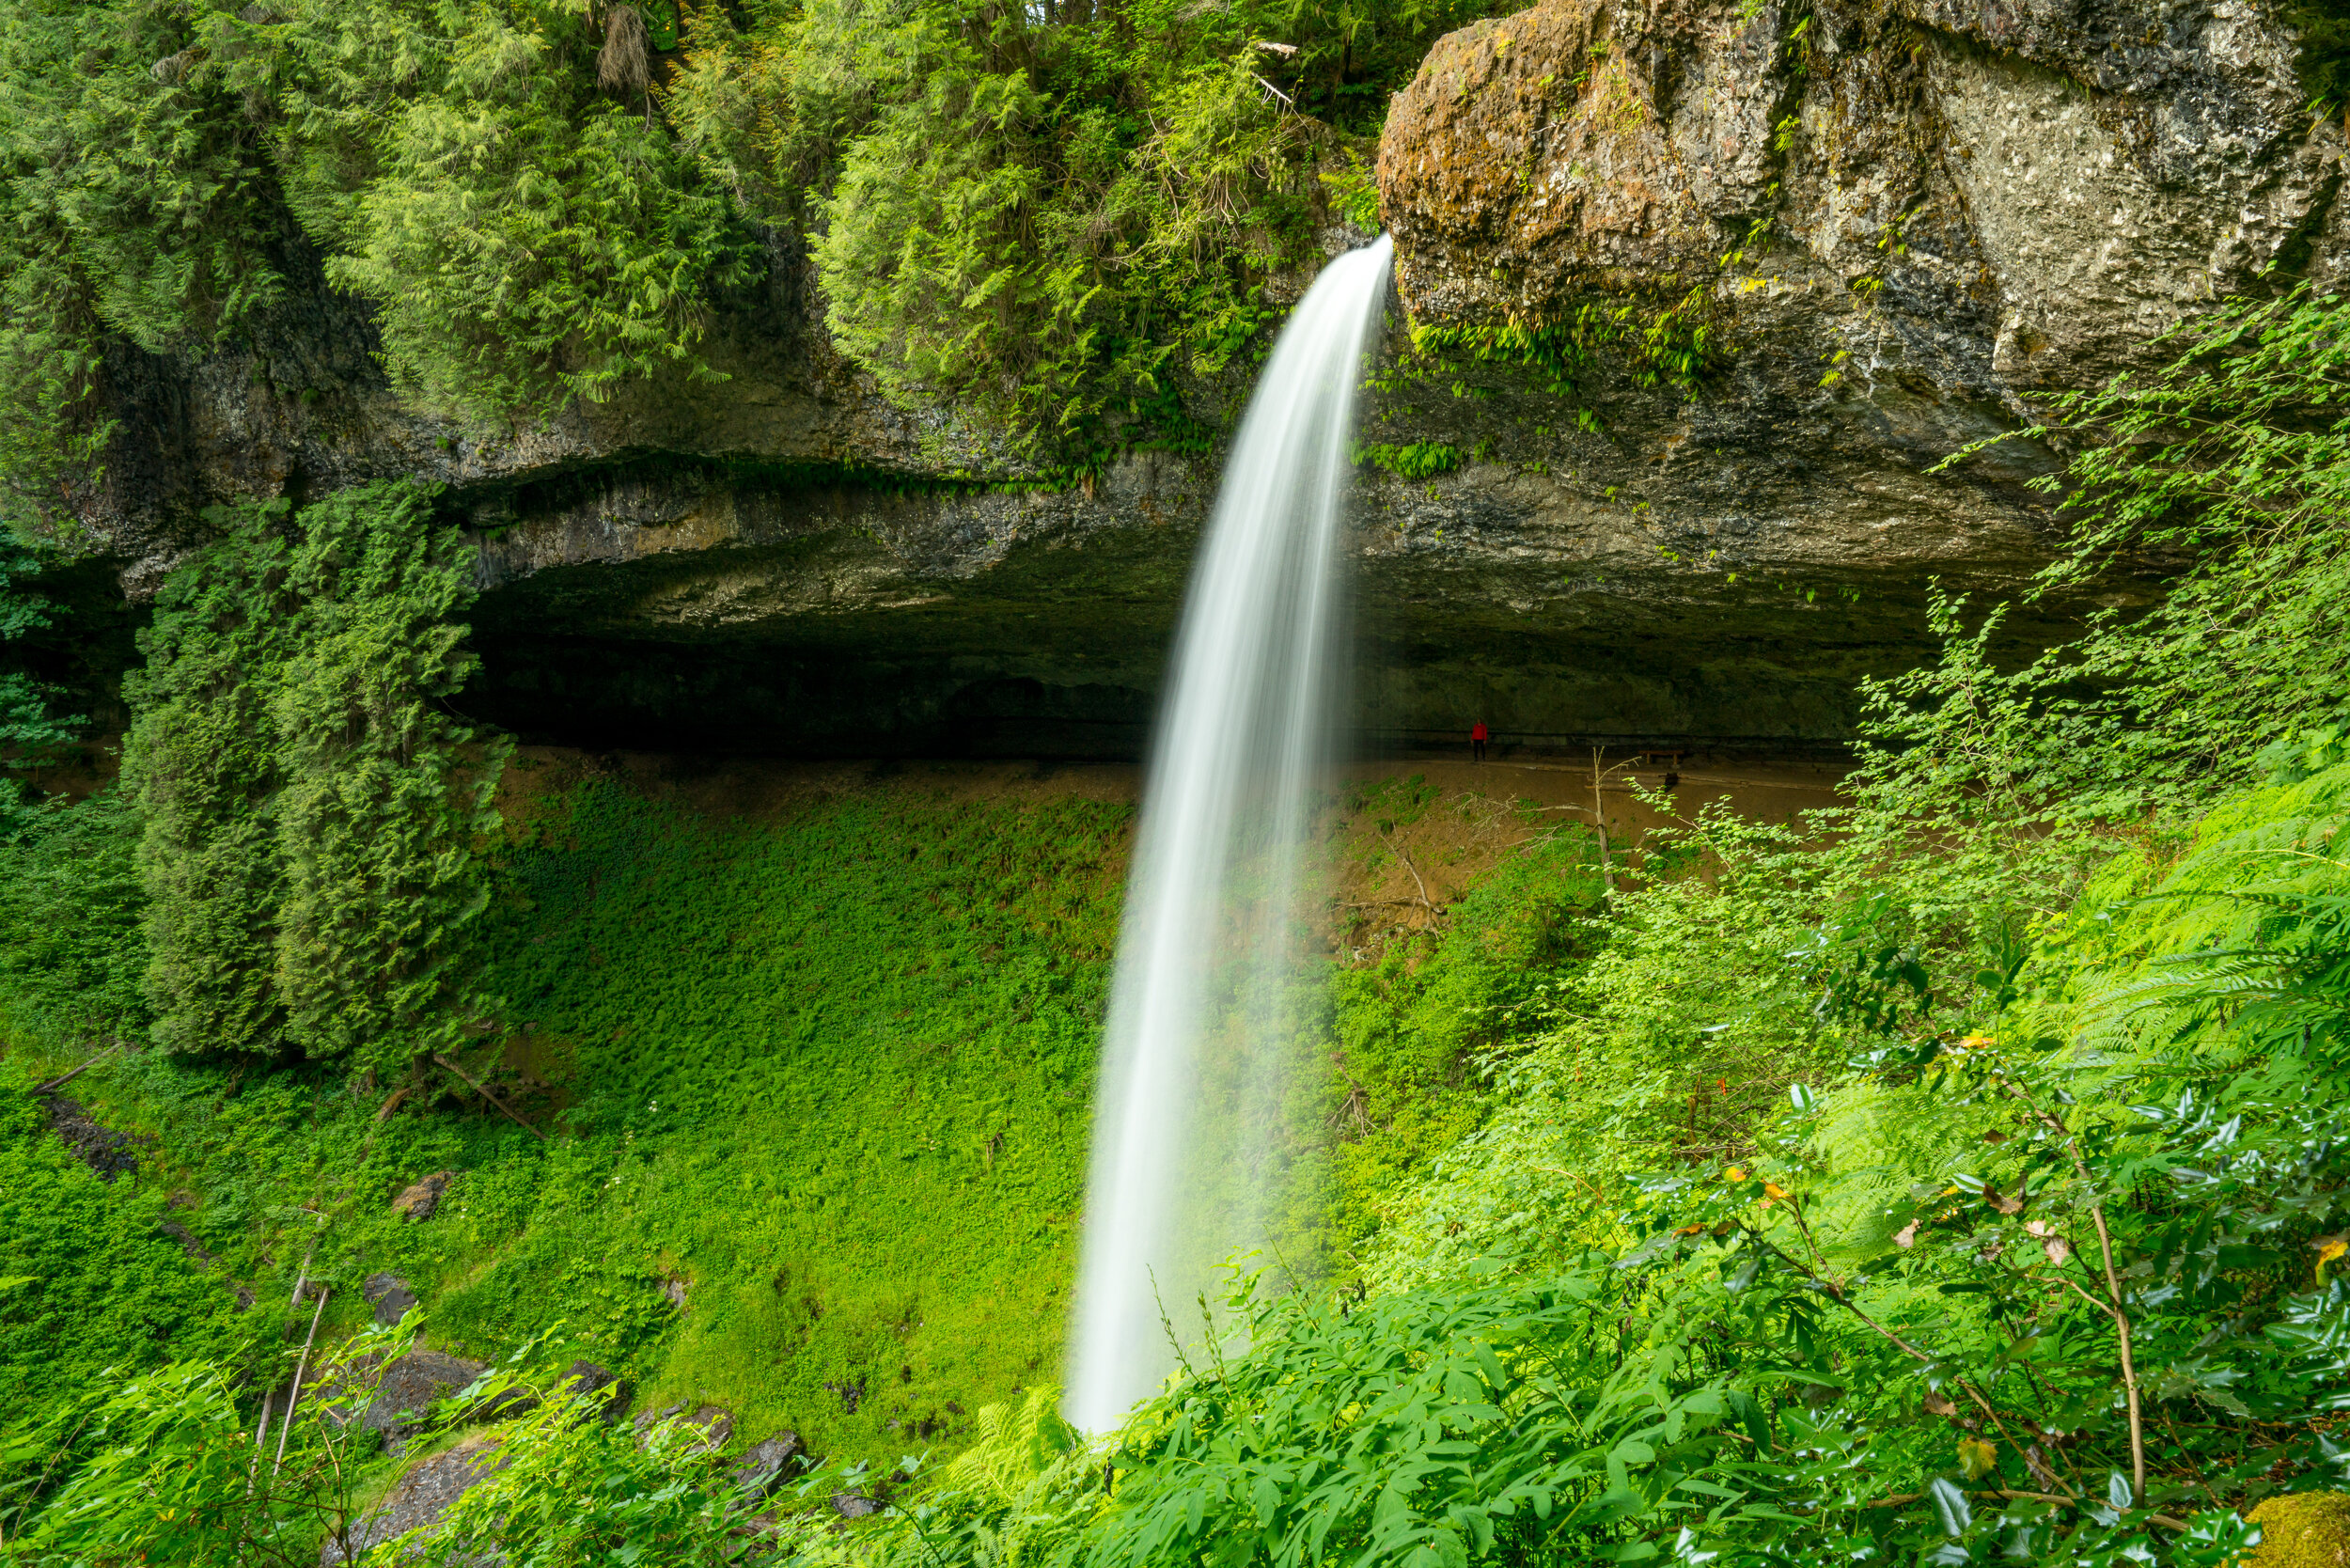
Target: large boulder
[
  {"x": 407, "y": 1388},
  {"x": 419, "y": 1499},
  {"x": 766, "y": 1465},
  {"x": 96, "y": 1146},
  {"x": 612, "y": 1393},
  {"x": 421, "y": 1198},
  {"x": 2303, "y": 1529},
  {"x": 389, "y": 1296},
  {"x": 2010, "y": 196},
  {"x": 1526, "y": 164}
]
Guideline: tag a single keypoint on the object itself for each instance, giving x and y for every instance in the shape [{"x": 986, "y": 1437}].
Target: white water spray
[{"x": 1241, "y": 743}]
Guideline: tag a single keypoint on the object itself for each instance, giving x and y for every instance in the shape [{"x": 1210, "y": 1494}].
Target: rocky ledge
[{"x": 1895, "y": 220}]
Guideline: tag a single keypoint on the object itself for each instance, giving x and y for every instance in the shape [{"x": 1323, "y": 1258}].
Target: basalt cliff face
[{"x": 1930, "y": 210}]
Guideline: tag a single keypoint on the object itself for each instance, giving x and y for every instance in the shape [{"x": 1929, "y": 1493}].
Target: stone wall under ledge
[{"x": 827, "y": 618}]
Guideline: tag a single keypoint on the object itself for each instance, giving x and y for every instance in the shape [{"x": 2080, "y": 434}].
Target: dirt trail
[
  {"x": 768, "y": 787},
  {"x": 1414, "y": 837}
]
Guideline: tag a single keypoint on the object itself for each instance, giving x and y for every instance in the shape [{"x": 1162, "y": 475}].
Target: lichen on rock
[{"x": 1530, "y": 162}]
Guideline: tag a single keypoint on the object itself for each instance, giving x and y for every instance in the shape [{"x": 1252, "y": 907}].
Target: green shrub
[
  {"x": 385, "y": 792},
  {"x": 2228, "y": 462},
  {"x": 1422, "y": 459},
  {"x": 1003, "y": 229},
  {"x": 202, "y": 761},
  {"x": 139, "y": 205},
  {"x": 73, "y": 956},
  {"x": 310, "y": 809},
  {"x": 87, "y": 1283},
  {"x": 526, "y": 240},
  {"x": 1040, "y": 211}
]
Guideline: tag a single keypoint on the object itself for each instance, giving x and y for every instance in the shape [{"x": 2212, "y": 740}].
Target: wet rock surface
[
  {"x": 389, "y": 1296},
  {"x": 419, "y": 1499},
  {"x": 1894, "y": 222},
  {"x": 768, "y": 1464},
  {"x": 1933, "y": 210},
  {"x": 405, "y": 1396},
  {"x": 613, "y": 1393},
  {"x": 104, "y": 1150},
  {"x": 713, "y": 1426}
]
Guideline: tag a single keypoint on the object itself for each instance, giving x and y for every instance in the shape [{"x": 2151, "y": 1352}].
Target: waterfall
[{"x": 1195, "y": 1040}]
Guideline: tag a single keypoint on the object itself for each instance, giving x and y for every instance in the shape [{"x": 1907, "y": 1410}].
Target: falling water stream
[{"x": 1198, "y": 1023}]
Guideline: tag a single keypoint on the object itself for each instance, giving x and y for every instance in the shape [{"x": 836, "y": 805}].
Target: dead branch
[
  {"x": 2113, "y": 1287},
  {"x": 492, "y": 1098},
  {"x": 57, "y": 1082},
  {"x": 1836, "y": 1292},
  {"x": 1424, "y": 899},
  {"x": 624, "y": 65},
  {"x": 293, "y": 1395}
]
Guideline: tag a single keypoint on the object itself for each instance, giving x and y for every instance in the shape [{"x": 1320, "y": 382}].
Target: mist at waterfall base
[{"x": 1196, "y": 1054}]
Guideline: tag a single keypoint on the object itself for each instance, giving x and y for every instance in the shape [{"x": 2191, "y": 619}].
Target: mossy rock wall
[{"x": 1722, "y": 285}]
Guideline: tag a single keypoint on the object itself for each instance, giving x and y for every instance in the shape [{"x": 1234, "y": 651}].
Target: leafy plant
[
  {"x": 166, "y": 1465},
  {"x": 565, "y": 1486},
  {"x": 90, "y": 1284},
  {"x": 73, "y": 905},
  {"x": 528, "y": 242},
  {"x": 385, "y": 792},
  {"x": 1047, "y": 212},
  {"x": 1422, "y": 459},
  {"x": 2224, "y": 464},
  {"x": 139, "y": 206},
  {"x": 310, "y": 810},
  {"x": 202, "y": 761}
]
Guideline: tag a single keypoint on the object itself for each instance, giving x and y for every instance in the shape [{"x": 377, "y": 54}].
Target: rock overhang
[{"x": 1900, "y": 224}]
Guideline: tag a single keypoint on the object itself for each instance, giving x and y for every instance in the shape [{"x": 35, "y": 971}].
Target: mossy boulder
[
  {"x": 1537, "y": 155},
  {"x": 2303, "y": 1529}
]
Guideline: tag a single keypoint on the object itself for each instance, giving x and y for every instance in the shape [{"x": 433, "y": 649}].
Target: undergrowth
[
  {"x": 1959, "y": 1175},
  {"x": 823, "y": 1072},
  {"x": 842, "y": 1064}
]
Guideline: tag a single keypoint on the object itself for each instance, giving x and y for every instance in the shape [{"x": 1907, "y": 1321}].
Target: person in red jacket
[{"x": 1478, "y": 737}]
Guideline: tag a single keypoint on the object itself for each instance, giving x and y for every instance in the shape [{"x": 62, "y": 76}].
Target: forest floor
[{"x": 817, "y": 1043}]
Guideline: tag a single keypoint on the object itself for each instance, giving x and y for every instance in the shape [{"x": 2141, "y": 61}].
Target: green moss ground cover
[
  {"x": 843, "y": 1064},
  {"x": 823, "y": 1068},
  {"x": 828, "y": 1073},
  {"x": 88, "y": 1279}
]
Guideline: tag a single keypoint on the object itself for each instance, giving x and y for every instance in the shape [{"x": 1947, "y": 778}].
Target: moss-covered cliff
[{"x": 1689, "y": 301}]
